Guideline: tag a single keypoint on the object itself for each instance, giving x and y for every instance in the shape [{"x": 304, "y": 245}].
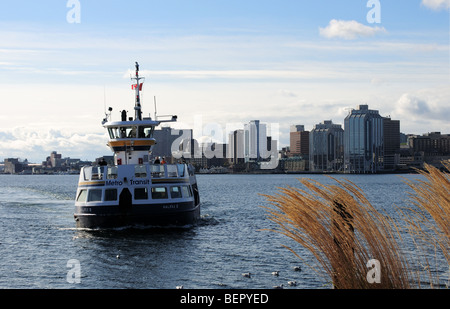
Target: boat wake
[{"x": 205, "y": 220}]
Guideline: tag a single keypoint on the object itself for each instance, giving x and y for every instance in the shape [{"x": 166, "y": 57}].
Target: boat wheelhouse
[{"x": 134, "y": 190}]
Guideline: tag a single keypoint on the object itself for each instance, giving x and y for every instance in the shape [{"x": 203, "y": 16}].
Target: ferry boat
[{"x": 134, "y": 191}]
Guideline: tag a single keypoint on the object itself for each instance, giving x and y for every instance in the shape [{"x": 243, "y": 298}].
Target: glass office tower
[
  {"x": 255, "y": 141},
  {"x": 326, "y": 147},
  {"x": 363, "y": 140}
]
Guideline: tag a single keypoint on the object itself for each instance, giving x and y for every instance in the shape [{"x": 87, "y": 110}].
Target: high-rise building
[
  {"x": 169, "y": 140},
  {"x": 55, "y": 159},
  {"x": 13, "y": 166},
  {"x": 363, "y": 141},
  {"x": 391, "y": 130},
  {"x": 235, "y": 150},
  {"x": 299, "y": 141},
  {"x": 326, "y": 147},
  {"x": 255, "y": 141},
  {"x": 432, "y": 144}
]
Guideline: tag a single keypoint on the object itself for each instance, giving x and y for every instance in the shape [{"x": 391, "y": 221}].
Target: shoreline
[{"x": 255, "y": 172}]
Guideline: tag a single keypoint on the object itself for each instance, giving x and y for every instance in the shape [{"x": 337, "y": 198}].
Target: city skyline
[
  {"x": 290, "y": 63},
  {"x": 253, "y": 145},
  {"x": 369, "y": 143}
]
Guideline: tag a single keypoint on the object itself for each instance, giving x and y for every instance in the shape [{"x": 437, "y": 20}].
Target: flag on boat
[{"x": 133, "y": 87}]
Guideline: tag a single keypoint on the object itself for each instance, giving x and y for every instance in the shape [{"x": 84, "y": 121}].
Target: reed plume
[
  {"x": 343, "y": 231},
  {"x": 428, "y": 220}
]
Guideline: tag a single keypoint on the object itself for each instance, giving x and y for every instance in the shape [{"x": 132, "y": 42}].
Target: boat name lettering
[
  {"x": 114, "y": 183},
  {"x": 132, "y": 182},
  {"x": 170, "y": 206},
  {"x": 140, "y": 182}
]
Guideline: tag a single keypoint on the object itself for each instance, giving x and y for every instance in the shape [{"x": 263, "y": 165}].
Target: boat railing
[
  {"x": 112, "y": 173},
  {"x": 167, "y": 170},
  {"x": 92, "y": 173}
]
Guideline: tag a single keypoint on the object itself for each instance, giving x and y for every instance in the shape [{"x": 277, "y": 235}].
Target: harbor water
[{"x": 39, "y": 243}]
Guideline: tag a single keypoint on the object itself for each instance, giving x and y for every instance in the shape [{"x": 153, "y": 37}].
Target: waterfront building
[
  {"x": 14, "y": 166},
  {"x": 189, "y": 149},
  {"x": 326, "y": 147},
  {"x": 391, "y": 131},
  {"x": 432, "y": 144},
  {"x": 293, "y": 165},
  {"x": 165, "y": 138},
  {"x": 255, "y": 141},
  {"x": 363, "y": 141},
  {"x": 235, "y": 151},
  {"x": 299, "y": 141},
  {"x": 54, "y": 160}
]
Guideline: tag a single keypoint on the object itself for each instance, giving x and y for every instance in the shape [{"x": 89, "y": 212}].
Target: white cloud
[
  {"x": 426, "y": 108},
  {"x": 228, "y": 79},
  {"x": 349, "y": 30},
  {"x": 436, "y": 4},
  {"x": 28, "y": 143}
]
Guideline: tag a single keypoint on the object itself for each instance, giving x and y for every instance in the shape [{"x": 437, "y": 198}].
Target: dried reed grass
[
  {"x": 343, "y": 231},
  {"x": 428, "y": 220}
]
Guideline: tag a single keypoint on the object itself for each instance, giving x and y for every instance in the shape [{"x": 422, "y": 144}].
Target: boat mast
[{"x": 138, "y": 88}]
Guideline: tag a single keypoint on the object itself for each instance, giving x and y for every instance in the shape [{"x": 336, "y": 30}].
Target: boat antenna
[
  {"x": 107, "y": 115},
  {"x": 154, "y": 99},
  {"x": 137, "y": 87},
  {"x": 104, "y": 97}
]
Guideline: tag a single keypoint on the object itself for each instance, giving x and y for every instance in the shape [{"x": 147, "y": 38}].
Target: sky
[{"x": 216, "y": 64}]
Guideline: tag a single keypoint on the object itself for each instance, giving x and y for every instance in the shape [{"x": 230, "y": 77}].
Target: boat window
[
  {"x": 95, "y": 195},
  {"x": 122, "y": 132},
  {"x": 82, "y": 196},
  {"x": 140, "y": 194},
  {"x": 175, "y": 192},
  {"x": 191, "y": 170},
  {"x": 180, "y": 168},
  {"x": 159, "y": 193},
  {"x": 172, "y": 170},
  {"x": 157, "y": 170},
  {"x": 148, "y": 132},
  {"x": 112, "y": 172},
  {"x": 97, "y": 172},
  {"x": 87, "y": 172},
  {"x": 140, "y": 171},
  {"x": 130, "y": 132},
  {"x": 186, "y": 190},
  {"x": 114, "y": 133},
  {"x": 111, "y": 195}
]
